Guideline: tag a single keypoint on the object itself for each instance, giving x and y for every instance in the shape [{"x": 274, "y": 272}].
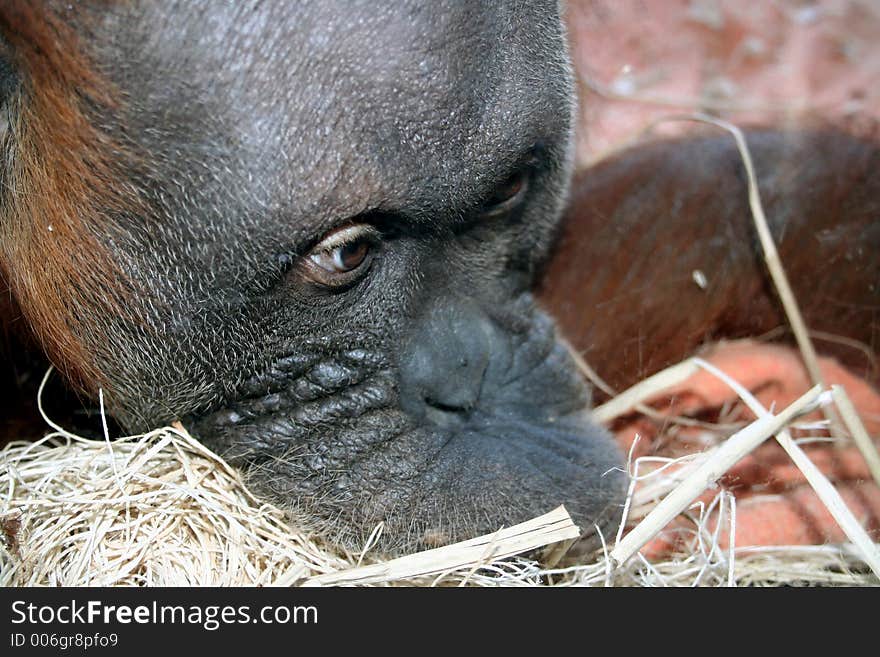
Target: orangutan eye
[
  {"x": 343, "y": 255},
  {"x": 507, "y": 196},
  {"x": 343, "y": 258}
]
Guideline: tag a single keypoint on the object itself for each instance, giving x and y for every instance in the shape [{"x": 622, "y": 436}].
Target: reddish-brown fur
[
  {"x": 641, "y": 223},
  {"x": 63, "y": 183}
]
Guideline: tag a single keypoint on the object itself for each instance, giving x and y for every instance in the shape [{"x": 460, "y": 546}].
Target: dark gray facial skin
[{"x": 424, "y": 388}]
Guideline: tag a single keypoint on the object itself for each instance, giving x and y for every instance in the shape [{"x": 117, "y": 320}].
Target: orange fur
[{"x": 62, "y": 184}]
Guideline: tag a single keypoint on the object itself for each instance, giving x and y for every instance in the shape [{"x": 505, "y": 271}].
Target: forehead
[{"x": 332, "y": 105}]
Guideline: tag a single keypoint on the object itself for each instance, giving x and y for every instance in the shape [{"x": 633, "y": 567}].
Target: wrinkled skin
[{"x": 427, "y": 391}]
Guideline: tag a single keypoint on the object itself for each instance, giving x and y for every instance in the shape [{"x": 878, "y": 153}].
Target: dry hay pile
[{"x": 161, "y": 510}]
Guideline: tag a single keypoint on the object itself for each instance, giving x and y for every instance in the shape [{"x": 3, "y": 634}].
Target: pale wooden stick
[
  {"x": 771, "y": 255},
  {"x": 857, "y": 431},
  {"x": 731, "y": 557},
  {"x": 832, "y": 500},
  {"x": 530, "y": 535},
  {"x": 643, "y": 391},
  {"x": 826, "y": 491},
  {"x": 594, "y": 378},
  {"x": 729, "y": 453}
]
